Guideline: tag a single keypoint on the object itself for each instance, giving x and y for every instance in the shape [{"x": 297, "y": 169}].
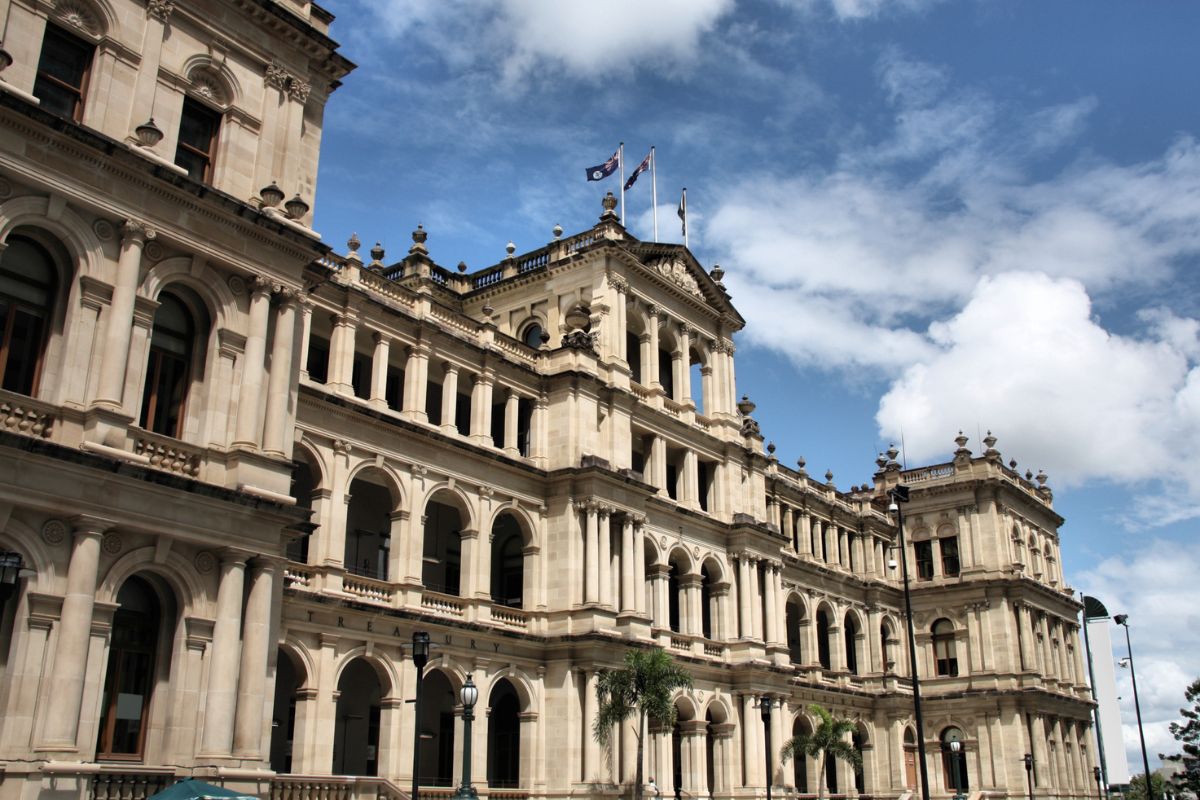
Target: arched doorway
[
  {"x": 954, "y": 760},
  {"x": 706, "y": 603},
  {"x": 369, "y": 526},
  {"x": 179, "y": 333},
  {"x": 910, "y": 759},
  {"x": 508, "y": 562},
  {"x": 858, "y": 741},
  {"x": 504, "y": 737},
  {"x": 28, "y": 287},
  {"x": 801, "y": 727},
  {"x": 137, "y": 655},
  {"x": 289, "y": 677},
  {"x": 850, "y": 633},
  {"x": 793, "y": 614},
  {"x": 674, "y": 588},
  {"x": 304, "y": 484},
  {"x": 823, "y": 639},
  {"x": 436, "y": 729},
  {"x": 442, "y": 548},
  {"x": 356, "y": 724},
  {"x": 12, "y": 567}
]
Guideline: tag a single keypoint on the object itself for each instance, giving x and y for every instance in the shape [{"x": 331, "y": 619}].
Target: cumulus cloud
[
  {"x": 934, "y": 259},
  {"x": 1157, "y": 587},
  {"x": 860, "y": 9},
  {"x": 525, "y": 39}
]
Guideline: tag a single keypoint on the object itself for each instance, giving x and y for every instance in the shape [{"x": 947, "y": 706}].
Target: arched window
[
  {"x": 793, "y": 613},
  {"x": 944, "y": 653},
  {"x": 954, "y": 760},
  {"x": 800, "y": 760},
  {"x": 62, "y": 73},
  {"x": 129, "y": 678},
  {"x": 673, "y": 590},
  {"x": 532, "y": 334},
  {"x": 442, "y": 548},
  {"x": 356, "y": 724},
  {"x": 508, "y": 562},
  {"x": 304, "y": 483},
  {"x": 910, "y": 759},
  {"x": 504, "y": 738},
  {"x": 368, "y": 527},
  {"x": 289, "y": 677},
  {"x": 858, "y": 741},
  {"x": 27, "y": 285},
  {"x": 706, "y": 603},
  {"x": 168, "y": 373},
  {"x": 850, "y": 632},
  {"x": 823, "y": 639},
  {"x": 439, "y": 698},
  {"x": 196, "y": 150}
]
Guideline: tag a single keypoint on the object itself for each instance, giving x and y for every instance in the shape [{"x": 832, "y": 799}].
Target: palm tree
[
  {"x": 643, "y": 687},
  {"x": 829, "y": 737}
]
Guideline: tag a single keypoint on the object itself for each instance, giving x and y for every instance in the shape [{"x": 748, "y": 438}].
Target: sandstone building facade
[{"x": 238, "y": 471}]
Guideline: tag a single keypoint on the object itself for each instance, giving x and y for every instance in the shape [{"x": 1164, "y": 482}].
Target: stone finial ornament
[
  {"x": 352, "y": 245},
  {"x": 800, "y": 464},
  {"x": 771, "y": 448},
  {"x": 881, "y": 461},
  {"x": 462, "y": 266},
  {"x": 991, "y": 452},
  {"x": 510, "y": 248},
  {"x": 558, "y": 232},
  {"x": 377, "y": 255},
  {"x": 148, "y": 134},
  {"x": 419, "y": 236},
  {"x": 610, "y": 204},
  {"x": 961, "y": 441},
  {"x": 296, "y": 208},
  {"x": 1041, "y": 477},
  {"x": 829, "y": 477},
  {"x": 271, "y": 195}
]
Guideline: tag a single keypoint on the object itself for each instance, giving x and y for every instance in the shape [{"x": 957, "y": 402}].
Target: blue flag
[
  {"x": 602, "y": 171},
  {"x": 642, "y": 167}
]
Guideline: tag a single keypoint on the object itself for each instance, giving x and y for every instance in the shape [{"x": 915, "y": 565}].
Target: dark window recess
[
  {"x": 26, "y": 297},
  {"x": 318, "y": 359},
  {"x": 944, "y": 651},
  {"x": 462, "y": 414},
  {"x": 393, "y": 387},
  {"x": 633, "y": 354},
  {"x": 498, "y": 424},
  {"x": 198, "y": 127},
  {"x": 666, "y": 376},
  {"x": 63, "y": 73},
  {"x": 360, "y": 376},
  {"x": 704, "y": 483},
  {"x": 924, "y": 554},
  {"x": 638, "y": 463},
  {"x": 672, "y": 479},
  {"x": 524, "y": 426},
  {"x": 167, "y": 373},
  {"x": 433, "y": 403},
  {"x": 950, "y": 565}
]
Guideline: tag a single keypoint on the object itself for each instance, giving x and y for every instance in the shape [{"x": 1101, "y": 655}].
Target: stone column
[
  {"x": 639, "y": 564},
  {"x": 341, "y": 354},
  {"x": 629, "y": 559},
  {"x": 450, "y": 398},
  {"x": 250, "y": 396},
  {"x": 64, "y": 703},
  {"x": 756, "y": 604},
  {"x": 256, "y": 650},
  {"x": 416, "y": 382},
  {"x": 591, "y": 552},
  {"x": 753, "y": 759},
  {"x": 650, "y": 365},
  {"x": 745, "y": 619},
  {"x": 591, "y": 749},
  {"x": 686, "y": 333},
  {"x": 789, "y": 527},
  {"x": 771, "y": 594},
  {"x": 691, "y": 480},
  {"x": 604, "y": 557},
  {"x": 306, "y": 311},
  {"x": 658, "y": 462},
  {"x": 217, "y": 738},
  {"x": 115, "y": 363},
  {"x": 379, "y": 370},
  {"x": 275, "y": 438},
  {"x": 802, "y": 533},
  {"x": 511, "y": 401},
  {"x": 481, "y": 409}
]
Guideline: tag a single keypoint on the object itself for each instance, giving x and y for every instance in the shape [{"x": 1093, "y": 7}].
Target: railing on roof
[{"x": 488, "y": 277}]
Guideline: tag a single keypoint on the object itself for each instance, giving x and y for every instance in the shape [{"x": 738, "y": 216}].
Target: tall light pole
[
  {"x": 1099, "y": 779},
  {"x": 1028, "y": 759},
  {"x": 420, "y": 653},
  {"x": 955, "y": 745},
  {"x": 468, "y": 695},
  {"x": 1094, "y": 609},
  {"x": 1123, "y": 621},
  {"x": 899, "y": 494},
  {"x": 764, "y": 705}
]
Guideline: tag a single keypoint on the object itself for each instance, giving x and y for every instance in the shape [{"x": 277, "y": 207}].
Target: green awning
[{"x": 192, "y": 789}]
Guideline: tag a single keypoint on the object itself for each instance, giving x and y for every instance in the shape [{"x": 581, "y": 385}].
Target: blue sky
[{"x": 935, "y": 216}]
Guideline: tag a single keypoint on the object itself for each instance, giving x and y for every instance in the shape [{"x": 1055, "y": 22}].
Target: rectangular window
[
  {"x": 198, "y": 127},
  {"x": 949, "y": 547},
  {"x": 924, "y": 555},
  {"x": 360, "y": 376},
  {"x": 62, "y": 73},
  {"x": 318, "y": 359}
]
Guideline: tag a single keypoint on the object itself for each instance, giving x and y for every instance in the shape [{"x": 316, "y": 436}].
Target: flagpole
[
  {"x": 621, "y": 162},
  {"x": 654, "y": 189},
  {"x": 685, "y": 237}
]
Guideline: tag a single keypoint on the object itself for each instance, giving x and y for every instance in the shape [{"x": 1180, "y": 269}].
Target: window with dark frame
[
  {"x": 944, "y": 654},
  {"x": 924, "y": 557},
  {"x": 27, "y": 282},
  {"x": 198, "y": 129},
  {"x": 62, "y": 73},
  {"x": 950, "y": 562},
  {"x": 169, "y": 369}
]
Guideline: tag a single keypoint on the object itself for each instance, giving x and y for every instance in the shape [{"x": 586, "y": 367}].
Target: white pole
[
  {"x": 654, "y": 189},
  {"x": 621, "y": 161},
  {"x": 685, "y": 238}
]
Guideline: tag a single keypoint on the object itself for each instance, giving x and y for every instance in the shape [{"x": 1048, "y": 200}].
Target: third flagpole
[
  {"x": 654, "y": 189},
  {"x": 621, "y": 161}
]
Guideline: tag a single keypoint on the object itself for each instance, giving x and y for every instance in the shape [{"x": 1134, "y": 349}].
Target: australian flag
[
  {"x": 642, "y": 167},
  {"x": 599, "y": 173}
]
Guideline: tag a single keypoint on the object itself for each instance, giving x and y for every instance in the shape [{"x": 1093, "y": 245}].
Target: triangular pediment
[{"x": 675, "y": 264}]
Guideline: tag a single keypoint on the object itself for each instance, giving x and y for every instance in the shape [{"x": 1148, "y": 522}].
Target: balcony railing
[{"x": 26, "y": 416}]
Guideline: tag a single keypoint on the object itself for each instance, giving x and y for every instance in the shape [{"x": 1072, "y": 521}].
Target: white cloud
[
  {"x": 861, "y": 9},
  {"x": 932, "y": 259},
  {"x": 529, "y": 40},
  {"x": 1157, "y": 587}
]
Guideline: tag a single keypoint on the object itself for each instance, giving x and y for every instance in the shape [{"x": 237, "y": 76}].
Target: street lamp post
[
  {"x": 1029, "y": 772},
  {"x": 764, "y": 705},
  {"x": 1099, "y": 782},
  {"x": 1123, "y": 621},
  {"x": 955, "y": 773},
  {"x": 899, "y": 494},
  {"x": 468, "y": 695},
  {"x": 420, "y": 653}
]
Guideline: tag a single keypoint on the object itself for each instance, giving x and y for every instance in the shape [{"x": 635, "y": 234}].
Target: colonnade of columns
[{"x": 614, "y": 567}]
